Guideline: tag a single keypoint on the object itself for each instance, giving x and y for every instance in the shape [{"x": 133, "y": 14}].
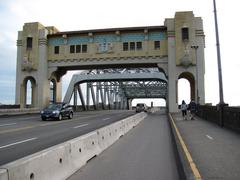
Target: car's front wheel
[
  {"x": 60, "y": 117},
  {"x": 70, "y": 115}
]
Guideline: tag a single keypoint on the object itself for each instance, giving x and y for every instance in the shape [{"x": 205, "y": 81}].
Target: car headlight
[
  {"x": 56, "y": 112},
  {"x": 42, "y": 112}
]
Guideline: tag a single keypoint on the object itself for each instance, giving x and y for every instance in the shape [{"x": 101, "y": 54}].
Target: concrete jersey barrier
[
  {"x": 6, "y": 112},
  {"x": 61, "y": 161},
  {"x": 3, "y": 174}
]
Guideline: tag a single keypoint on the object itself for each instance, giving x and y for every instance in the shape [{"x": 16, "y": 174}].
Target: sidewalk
[{"x": 214, "y": 150}]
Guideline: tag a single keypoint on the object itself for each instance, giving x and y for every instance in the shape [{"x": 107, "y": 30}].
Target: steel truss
[{"x": 115, "y": 88}]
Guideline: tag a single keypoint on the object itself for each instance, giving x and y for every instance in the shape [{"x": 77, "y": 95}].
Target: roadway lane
[
  {"x": 145, "y": 153},
  {"x": 24, "y": 135}
]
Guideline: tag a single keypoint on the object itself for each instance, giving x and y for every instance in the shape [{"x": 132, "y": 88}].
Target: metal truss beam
[{"x": 119, "y": 86}]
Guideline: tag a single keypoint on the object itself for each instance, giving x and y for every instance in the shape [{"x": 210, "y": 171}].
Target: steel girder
[{"x": 119, "y": 85}]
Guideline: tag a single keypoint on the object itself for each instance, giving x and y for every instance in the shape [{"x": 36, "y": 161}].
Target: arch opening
[
  {"x": 155, "y": 102},
  {"x": 185, "y": 87},
  {"x": 28, "y": 93},
  {"x": 53, "y": 92},
  {"x": 29, "y": 86}
]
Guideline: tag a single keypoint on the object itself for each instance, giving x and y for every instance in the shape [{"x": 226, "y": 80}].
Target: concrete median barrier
[
  {"x": 47, "y": 164},
  {"x": 7, "y": 112},
  {"x": 61, "y": 161},
  {"x": 3, "y": 174},
  {"x": 83, "y": 149}
]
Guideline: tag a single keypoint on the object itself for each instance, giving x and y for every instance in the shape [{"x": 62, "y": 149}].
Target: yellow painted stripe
[{"x": 187, "y": 153}]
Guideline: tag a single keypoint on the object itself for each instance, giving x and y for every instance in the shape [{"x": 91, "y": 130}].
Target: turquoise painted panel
[
  {"x": 105, "y": 38},
  {"x": 78, "y": 40},
  {"x": 156, "y": 36},
  {"x": 132, "y": 37},
  {"x": 56, "y": 41}
]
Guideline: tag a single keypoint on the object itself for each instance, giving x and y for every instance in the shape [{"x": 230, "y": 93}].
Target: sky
[{"x": 96, "y": 14}]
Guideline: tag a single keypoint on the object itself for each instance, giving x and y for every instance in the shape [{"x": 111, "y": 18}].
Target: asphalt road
[
  {"x": 145, "y": 153},
  {"x": 26, "y": 134}
]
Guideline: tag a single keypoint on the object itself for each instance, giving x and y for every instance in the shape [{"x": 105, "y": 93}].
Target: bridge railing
[
  {"x": 209, "y": 113},
  {"x": 230, "y": 117}
]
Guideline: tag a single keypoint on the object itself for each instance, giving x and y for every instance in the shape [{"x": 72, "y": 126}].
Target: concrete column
[
  {"x": 172, "y": 80},
  {"x": 130, "y": 104},
  {"x": 23, "y": 93},
  {"x": 58, "y": 91},
  {"x": 19, "y": 79},
  {"x": 201, "y": 69},
  {"x": 34, "y": 94},
  {"x": 43, "y": 84}
]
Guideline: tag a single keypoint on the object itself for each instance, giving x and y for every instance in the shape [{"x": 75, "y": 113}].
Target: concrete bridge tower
[
  {"x": 185, "y": 56},
  {"x": 32, "y": 66}
]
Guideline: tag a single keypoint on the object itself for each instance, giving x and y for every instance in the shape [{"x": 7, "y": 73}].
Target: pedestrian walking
[
  {"x": 184, "y": 107},
  {"x": 193, "y": 108}
]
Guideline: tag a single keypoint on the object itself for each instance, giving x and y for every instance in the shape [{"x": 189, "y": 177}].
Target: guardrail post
[{"x": 221, "y": 111}]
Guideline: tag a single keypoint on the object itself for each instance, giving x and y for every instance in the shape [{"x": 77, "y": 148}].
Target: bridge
[
  {"x": 45, "y": 54},
  {"x": 110, "y": 140},
  {"x": 122, "y": 84}
]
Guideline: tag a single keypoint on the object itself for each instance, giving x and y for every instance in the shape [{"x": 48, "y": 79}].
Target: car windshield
[
  {"x": 140, "y": 105},
  {"x": 54, "y": 106}
]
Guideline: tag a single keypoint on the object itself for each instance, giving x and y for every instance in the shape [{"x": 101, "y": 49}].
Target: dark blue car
[{"x": 57, "y": 111}]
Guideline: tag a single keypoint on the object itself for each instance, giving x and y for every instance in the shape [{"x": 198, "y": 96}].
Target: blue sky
[{"x": 81, "y": 14}]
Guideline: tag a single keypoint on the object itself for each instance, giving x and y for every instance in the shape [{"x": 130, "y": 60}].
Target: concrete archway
[
  {"x": 190, "y": 77},
  {"x": 53, "y": 89},
  {"x": 24, "y": 92}
]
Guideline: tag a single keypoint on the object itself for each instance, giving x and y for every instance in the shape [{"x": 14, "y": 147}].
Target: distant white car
[{"x": 140, "y": 107}]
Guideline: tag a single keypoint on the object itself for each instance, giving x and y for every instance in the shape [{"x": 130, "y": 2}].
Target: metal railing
[{"x": 230, "y": 116}]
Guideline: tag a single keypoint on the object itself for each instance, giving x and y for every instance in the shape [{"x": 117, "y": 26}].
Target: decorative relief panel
[
  {"x": 27, "y": 63},
  {"x": 105, "y": 47}
]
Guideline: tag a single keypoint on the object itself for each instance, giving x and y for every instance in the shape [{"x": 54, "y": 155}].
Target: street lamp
[
  {"x": 221, "y": 103},
  {"x": 218, "y": 56},
  {"x": 195, "y": 48}
]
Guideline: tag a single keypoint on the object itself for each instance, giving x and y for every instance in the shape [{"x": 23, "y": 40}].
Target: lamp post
[
  {"x": 221, "y": 103},
  {"x": 218, "y": 56},
  {"x": 195, "y": 48}
]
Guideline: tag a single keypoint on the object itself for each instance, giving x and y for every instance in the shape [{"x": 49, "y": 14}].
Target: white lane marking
[
  {"x": 209, "y": 137},
  {"x": 1, "y": 125},
  {"x": 106, "y": 119},
  {"x": 28, "y": 118},
  {"x": 19, "y": 142},
  {"x": 80, "y": 126},
  {"x": 44, "y": 124}
]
